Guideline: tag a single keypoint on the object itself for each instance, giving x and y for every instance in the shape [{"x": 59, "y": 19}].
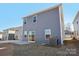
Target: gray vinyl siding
[{"x": 45, "y": 20}]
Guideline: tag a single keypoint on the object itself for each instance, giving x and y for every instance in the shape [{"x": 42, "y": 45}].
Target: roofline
[
  {"x": 1, "y": 32},
  {"x": 12, "y": 28},
  {"x": 76, "y": 16},
  {"x": 43, "y": 10}
]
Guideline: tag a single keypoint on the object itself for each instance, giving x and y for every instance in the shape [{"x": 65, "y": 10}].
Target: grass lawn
[{"x": 71, "y": 47}]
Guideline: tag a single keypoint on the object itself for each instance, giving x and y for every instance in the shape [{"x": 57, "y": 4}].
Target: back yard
[{"x": 71, "y": 47}]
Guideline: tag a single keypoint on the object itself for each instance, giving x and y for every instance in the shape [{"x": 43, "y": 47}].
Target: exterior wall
[
  {"x": 76, "y": 26},
  {"x": 1, "y": 36},
  {"x": 19, "y": 32},
  {"x": 51, "y": 19},
  {"x": 11, "y": 31},
  {"x": 5, "y": 35}
]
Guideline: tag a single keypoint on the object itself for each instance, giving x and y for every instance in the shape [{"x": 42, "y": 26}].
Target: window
[
  {"x": 34, "y": 18},
  {"x": 31, "y": 32},
  {"x": 77, "y": 22},
  {"x": 25, "y": 21},
  {"x": 25, "y": 33},
  {"x": 47, "y": 33}
]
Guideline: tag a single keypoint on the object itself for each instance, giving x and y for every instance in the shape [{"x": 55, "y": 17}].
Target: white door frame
[{"x": 31, "y": 34}]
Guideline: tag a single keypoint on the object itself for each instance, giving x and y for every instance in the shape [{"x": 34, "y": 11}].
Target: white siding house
[
  {"x": 1, "y": 34},
  {"x": 76, "y": 26},
  {"x": 14, "y": 33}
]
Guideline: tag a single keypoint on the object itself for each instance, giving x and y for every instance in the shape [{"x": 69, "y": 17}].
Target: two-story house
[{"x": 45, "y": 27}]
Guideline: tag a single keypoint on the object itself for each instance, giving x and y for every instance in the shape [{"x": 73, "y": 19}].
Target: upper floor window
[
  {"x": 25, "y": 20},
  {"x": 77, "y": 22},
  {"x": 34, "y": 18}
]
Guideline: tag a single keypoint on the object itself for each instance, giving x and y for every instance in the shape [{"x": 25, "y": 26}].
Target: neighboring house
[
  {"x": 76, "y": 26},
  {"x": 13, "y": 33},
  {"x": 44, "y": 27},
  {"x": 68, "y": 32},
  {"x": 1, "y": 34},
  {"x": 68, "y": 35}
]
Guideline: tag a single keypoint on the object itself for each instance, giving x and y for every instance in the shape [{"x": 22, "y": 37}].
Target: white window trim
[
  {"x": 48, "y": 30},
  {"x": 31, "y": 34},
  {"x": 25, "y": 33}
]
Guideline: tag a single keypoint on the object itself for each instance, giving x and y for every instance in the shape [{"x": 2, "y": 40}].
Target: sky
[{"x": 11, "y": 13}]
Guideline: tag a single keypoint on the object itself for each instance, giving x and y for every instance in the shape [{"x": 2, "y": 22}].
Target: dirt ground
[{"x": 70, "y": 48}]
